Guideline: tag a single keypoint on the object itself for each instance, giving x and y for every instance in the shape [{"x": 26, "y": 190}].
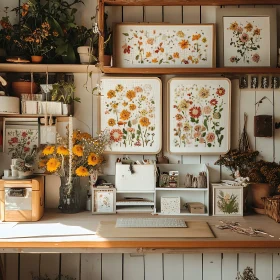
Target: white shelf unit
[{"x": 186, "y": 194}]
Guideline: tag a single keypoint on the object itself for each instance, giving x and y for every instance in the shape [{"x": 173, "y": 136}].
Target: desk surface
[{"x": 58, "y": 232}]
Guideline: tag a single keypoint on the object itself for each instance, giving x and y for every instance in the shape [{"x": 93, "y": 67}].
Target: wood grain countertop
[{"x": 57, "y": 232}]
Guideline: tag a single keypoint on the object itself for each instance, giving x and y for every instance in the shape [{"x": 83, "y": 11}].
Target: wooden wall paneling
[
  {"x": 153, "y": 14},
  {"x": 264, "y": 266},
  {"x": 191, "y": 14},
  {"x": 133, "y": 267},
  {"x": 84, "y": 14},
  {"x": 275, "y": 265},
  {"x": 112, "y": 266},
  {"x": 278, "y": 24},
  {"x": 115, "y": 14},
  {"x": 91, "y": 266},
  {"x": 52, "y": 184},
  {"x": 208, "y": 14},
  {"x": 277, "y": 119},
  {"x": 229, "y": 266},
  {"x": 11, "y": 4},
  {"x": 133, "y": 14},
  {"x": 173, "y": 266},
  {"x": 265, "y": 145},
  {"x": 247, "y": 105},
  {"x": 153, "y": 266},
  {"x": 173, "y": 14},
  {"x": 29, "y": 264},
  {"x": 246, "y": 259},
  {"x": 70, "y": 265},
  {"x": 49, "y": 265},
  {"x": 193, "y": 266},
  {"x": 11, "y": 264},
  {"x": 212, "y": 266},
  {"x": 214, "y": 170}
]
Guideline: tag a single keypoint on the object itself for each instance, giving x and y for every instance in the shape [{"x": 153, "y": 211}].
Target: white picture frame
[
  {"x": 199, "y": 114},
  {"x": 103, "y": 200},
  {"x": 247, "y": 37},
  {"x": 227, "y": 200},
  {"x": 164, "y": 45}
]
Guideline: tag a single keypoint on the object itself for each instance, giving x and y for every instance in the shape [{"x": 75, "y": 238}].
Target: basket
[{"x": 272, "y": 207}]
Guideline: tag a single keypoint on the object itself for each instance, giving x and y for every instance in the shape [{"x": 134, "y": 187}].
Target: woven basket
[{"x": 272, "y": 207}]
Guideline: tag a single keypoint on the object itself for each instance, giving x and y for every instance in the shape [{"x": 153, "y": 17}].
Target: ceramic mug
[{"x": 7, "y": 173}]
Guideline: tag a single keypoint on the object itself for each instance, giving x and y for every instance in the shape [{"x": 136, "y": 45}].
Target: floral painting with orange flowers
[
  {"x": 164, "y": 45},
  {"x": 199, "y": 115},
  {"x": 131, "y": 111},
  {"x": 246, "y": 41}
]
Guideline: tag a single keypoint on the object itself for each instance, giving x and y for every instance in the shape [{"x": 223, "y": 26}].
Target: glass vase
[{"x": 70, "y": 195}]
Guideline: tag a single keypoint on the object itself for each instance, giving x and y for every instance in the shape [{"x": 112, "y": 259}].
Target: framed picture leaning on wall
[
  {"x": 165, "y": 45},
  {"x": 198, "y": 116},
  {"x": 247, "y": 37},
  {"x": 130, "y": 108}
]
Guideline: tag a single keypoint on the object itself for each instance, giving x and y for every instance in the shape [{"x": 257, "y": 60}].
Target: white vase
[{"x": 87, "y": 55}]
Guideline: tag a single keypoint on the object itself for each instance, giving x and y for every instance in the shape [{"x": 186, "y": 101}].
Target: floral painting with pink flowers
[
  {"x": 246, "y": 41},
  {"x": 131, "y": 111},
  {"x": 199, "y": 115},
  {"x": 165, "y": 45}
]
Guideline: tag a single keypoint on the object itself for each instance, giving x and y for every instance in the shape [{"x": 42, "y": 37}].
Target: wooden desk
[{"x": 225, "y": 241}]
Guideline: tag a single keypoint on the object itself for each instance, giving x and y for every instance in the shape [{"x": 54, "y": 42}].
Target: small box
[
  {"x": 22, "y": 200},
  {"x": 170, "y": 205},
  {"x": 196, "y": 207},
  {"x": 103, "y": 200}
]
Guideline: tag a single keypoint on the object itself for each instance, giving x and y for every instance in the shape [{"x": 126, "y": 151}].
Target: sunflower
[
  {"x": 48, "y": 150},
  {"x": 61, "y": 150},
  {"x": 78, "y": 150},
  {"x": 111, "y": 93},
  {"x": 93, "y": 159},
  {"x": 144, "y": 121},
  {"x": 132, "y": 107},
  {"x": 42, "y": 163},
  {"x": 53, "y": 164},
  {"x": 82, "y": 171},
  {"x": 76, "y": 135},
  {"x": 184, "y": 44},
  {"x": 85, "y": 135},
  {"x": 130, "y": 94},
  {"x": 111, "y": 122},
  {"x": 124, "y": 115}
]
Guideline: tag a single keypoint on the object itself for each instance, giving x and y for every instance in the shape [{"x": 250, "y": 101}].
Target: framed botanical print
[
  {"x": 130, "y": 108},
  {"x": 247, "y": 37},
  {"x": 227, "y": 200},
  {"x": 103, "y": 200},
  {"x": 199, "y": 115},
  {"x": 164, "y": 45}
]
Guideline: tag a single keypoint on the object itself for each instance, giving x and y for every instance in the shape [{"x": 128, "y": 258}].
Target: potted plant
[
  {"x": 64, "y": 92},
  {"x": 70, "y": 159}
]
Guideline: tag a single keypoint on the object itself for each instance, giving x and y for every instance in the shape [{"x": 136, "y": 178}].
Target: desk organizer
[{"x": 22, "y": 200}]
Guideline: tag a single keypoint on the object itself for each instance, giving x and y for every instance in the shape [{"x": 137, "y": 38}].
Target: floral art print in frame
[
  {"x": 164, "y": 45},
  {"x": 199, "y": 115},
  {"x": 227, "y": 201},
  {"x": 131, "y": 111}
]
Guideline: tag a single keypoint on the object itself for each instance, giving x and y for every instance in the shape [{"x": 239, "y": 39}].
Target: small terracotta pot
[
  {"x": 23, "y": 87},
  {"x": 259, "y": 190},
  {"x": 36, "y": 58}
]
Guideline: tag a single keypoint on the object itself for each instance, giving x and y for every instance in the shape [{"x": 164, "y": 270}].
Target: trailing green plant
[
  {"x": 64, "y": 92},
  {"x": 247, "y": 274}
]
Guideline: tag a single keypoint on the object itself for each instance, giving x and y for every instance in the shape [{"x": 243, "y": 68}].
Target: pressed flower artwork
[
  {"x": 164, "y": 45},
  {"x": 246, "y": 41},
  {"x": 227, "y": 200},
  {"x": 199, "y": 114},
  {"x": 131, "y": 111}
]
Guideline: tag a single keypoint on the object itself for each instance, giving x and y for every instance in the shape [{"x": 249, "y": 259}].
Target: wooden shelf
[
  {"x": 183, "y": 189},
  {"x": 192, "y": 71},
  {"x": 42, "y": 68},
  {"x": 187, "y": 2}
]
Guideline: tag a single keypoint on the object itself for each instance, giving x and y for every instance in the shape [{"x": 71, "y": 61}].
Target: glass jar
[{"x": 70, "y": 195}]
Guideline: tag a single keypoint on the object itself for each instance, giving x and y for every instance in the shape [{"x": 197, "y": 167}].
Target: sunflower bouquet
[{"x": 78, "y": 159}]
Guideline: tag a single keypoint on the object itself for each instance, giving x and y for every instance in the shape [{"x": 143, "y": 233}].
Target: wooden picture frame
[
  {"x": 103, "y": 200},
  {"x": 245, "y": 35},
  {"x": 164, "y": 45},
  {"x": 130, "y": 108},
  {"x": 199, "y": 116},
  {"x": 227, "y": 200}
]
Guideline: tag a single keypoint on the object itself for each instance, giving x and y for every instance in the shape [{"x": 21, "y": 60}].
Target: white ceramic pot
[
  {"x": 87, "y": 55},
  {"x": 65, "y": 109}
]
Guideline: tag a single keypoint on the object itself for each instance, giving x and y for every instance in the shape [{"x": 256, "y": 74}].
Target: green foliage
[
  {"x": 227, "y": 203},
  {"x": 64, "y": 92}
]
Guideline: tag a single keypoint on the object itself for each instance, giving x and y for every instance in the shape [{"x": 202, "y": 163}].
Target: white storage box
[
  {"x": 143, "y": 178},
  {"x": 9, "y": 105},
  {"x": 170, "y": 205},
  {"x": 50, "y": 107}
]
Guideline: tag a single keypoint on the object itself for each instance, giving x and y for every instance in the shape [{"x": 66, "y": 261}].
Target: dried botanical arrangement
[
  {"x": 236, "y": 227},
  {"x": 247, "y": 274}
]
